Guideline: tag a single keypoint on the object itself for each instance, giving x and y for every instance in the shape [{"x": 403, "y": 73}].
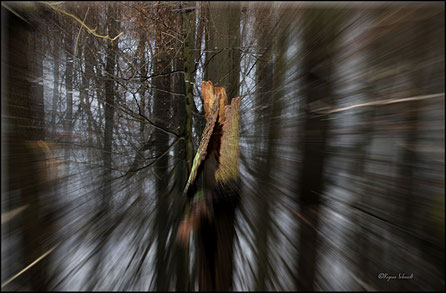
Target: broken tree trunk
[{"x": 211, "y": 207}]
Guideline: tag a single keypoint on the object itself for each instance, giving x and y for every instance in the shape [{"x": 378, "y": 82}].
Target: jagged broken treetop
[{"x": 218, "y": 113}]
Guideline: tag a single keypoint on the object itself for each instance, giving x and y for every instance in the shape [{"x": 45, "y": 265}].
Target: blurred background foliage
[{"x": 341, "y": 141}]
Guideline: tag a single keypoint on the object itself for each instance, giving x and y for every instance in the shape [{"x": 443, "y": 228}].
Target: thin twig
[
  {"x": 384, "y": 102},
  {"x": 28, "y": 267},
  {"x": 15, "y": 13},
  {"x": 11, "y": 214},
  {"x": 91, "y": 31},
  {"x": 132, "y": 172},
  {"x": 80, "y": 29}
]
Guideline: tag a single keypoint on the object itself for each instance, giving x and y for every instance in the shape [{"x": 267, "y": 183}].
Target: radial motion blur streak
[{"x": 327, "y": 174}]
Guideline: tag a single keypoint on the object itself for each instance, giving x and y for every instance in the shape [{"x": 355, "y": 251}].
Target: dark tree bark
[
  {"x": 270, "y": 75},
  {"x": 215, "y": 238},
  {"x": 223, "y": 46},
  {"x": 25, "y": 166},
  {"x": 264, "y": 142},
  {"x": 104, "y": 214},
  {"x": 68, "y": 121},
  {"x": 88, "y": 77},
  {"x": 361, "y": 240},
  {"x": 109, "y": 105},
  {"x": 188, "y": 26},
  {"x": 198, "y": 123},
  {"x": 56, "y": 58},
  {"x": 109, "y": 114},
  {"x": 318, "y": 38},
  {"x": 422, "y": 34},
  {"x": 139, "y": 157},
  {"x": 183, "y": 86},
  {"x": 161, "y": 116}
]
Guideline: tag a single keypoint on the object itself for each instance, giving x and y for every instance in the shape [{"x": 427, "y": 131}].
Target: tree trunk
[
  {"x": 318, "y": 38},
  {"x": 104, "y": 214},
  {"x": 88, "y": 75},
  {"x": 264, "y": 152},
  {"x": 268, "y": 132},
  {"x": 56, "y": 58},
  {"x": 215, "y": 239},
  {"x": 25, "y": 162},
  {"x": 223, "y": 46},
  {"x": 161, "y": 116},
  {"x": 188, "y": 23},
  {"x": 109, "y": 114},
  {"x": 183, "y": 83},
  {"x": 69, "y": 97},
  {"x": 109, "y": 107},
  {"x": 422, "y": 33}
]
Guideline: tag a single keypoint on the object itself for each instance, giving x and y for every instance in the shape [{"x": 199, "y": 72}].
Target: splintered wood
[
  {"x": 220, "y": 136},
  {"x": 218, "y": 114},
  {"x": 229, "y": 149}
]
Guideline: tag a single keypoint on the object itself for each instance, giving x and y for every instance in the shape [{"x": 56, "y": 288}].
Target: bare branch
[{"x": 91, "y": 31}]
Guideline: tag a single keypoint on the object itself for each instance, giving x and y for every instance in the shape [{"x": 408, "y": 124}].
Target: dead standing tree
[{"x": 211, "y": 207}]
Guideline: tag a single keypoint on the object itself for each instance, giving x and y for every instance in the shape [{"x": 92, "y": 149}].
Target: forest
[{"x": 222, "y": 146}]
